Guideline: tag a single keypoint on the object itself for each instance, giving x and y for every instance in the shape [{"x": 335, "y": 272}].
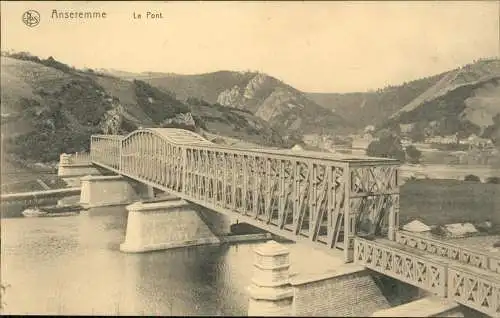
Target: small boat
[
  {"x": 34, "y": 212},
  {"x": 62, "y": 208},
  {"x": 52, "y": 211}
]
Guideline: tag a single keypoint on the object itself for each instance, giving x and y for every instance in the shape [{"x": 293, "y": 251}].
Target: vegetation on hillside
[
  {"x": 464, "y": 101},
  {"x": 63, "y": 120},
  {"x": 202, "y": 86},
  {"x": 373, "y": 107},
  {"x": 493, "y": 131},
  {"x": 442, "y": 116},
  {"x": 62, "y": 114},
  {"x": 235, "y": 123},
  {"x": 283, "y": 107},
  {"x": 50, "y": 61},
  {"x": 158, "y": 105}
]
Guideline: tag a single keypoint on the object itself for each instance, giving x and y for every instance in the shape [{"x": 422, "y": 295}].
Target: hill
[
  {"x": 285, "y": 108},
  {"x": 475, "y": 83},
  {"x": 49, "y": 108},
  {"x": 465, "y": 101},
  {"x": 372, "y": 108}
]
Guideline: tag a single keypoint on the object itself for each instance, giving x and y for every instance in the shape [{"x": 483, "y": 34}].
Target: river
[
  {"x": 442, "y": 171},
  {"x": 72, "y": 265}
]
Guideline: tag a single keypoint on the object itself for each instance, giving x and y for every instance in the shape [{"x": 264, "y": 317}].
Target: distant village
[{"x": 358, "y": 143}]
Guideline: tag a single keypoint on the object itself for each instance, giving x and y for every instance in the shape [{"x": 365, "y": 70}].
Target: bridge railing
[
  {"x": 472, "y": 287},
  {"x": 448, "y": 250},
  {"x": 474, "y": 290},
  {"x": 494, "y": 264},
  {"x": 106, "y": 149},
  {"x": 322, "y": 197},
  {"x": 79, "y": 158},
  {"x": 408, "y": 267}
]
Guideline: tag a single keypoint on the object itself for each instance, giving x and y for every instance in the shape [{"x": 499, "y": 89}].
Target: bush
[
  {"x": 389, "y": 146},
  {"x": 156, "y": 104},
  {"x": 413, "y": 154},
  {"x": 472, "y": 177},
  {"x": 493, "y": 180},
  {"x": 438, "y": 231},
  {"x": 51, "y": 62}
]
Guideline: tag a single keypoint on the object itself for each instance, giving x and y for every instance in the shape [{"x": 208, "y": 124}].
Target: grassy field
[{"x": 449, "y": 201}]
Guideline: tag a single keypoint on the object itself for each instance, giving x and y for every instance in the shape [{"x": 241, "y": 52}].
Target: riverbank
[
  {"x": 442, "y": 171},
  {"x": 449, "y": 201}
]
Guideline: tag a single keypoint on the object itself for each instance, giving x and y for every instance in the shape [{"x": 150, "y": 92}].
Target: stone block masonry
[
  {"x": 270, "y": 292},
  {"x": 98, "y": 191},
  {"x": 163, "y": 225},
  {"x": 347, "y": 291},
  {"x": 430, "y": 306},
  {"x": 73, "y": 167}
]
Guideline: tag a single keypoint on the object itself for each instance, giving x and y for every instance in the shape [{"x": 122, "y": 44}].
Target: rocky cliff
[
  {"x": 285, "y": 108},
  {"x": 49, "y": 108},
  {"x": 465, "y": 100}
]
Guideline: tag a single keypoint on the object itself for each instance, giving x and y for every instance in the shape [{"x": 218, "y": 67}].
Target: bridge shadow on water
[
  {"x": 73, "y": 265},
  {"x": 198, "y": 280}
]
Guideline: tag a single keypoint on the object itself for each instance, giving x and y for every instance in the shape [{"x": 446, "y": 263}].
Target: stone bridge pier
[
  {"x": 345, "y": 290},
  {"x": 99, "y": 191},
  {"x": 72, "y": 167},
  {"x": 154, "y": 223},
  {"x": 171, "y": 223}
]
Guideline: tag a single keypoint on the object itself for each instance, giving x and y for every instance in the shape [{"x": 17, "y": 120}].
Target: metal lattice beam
[{"x": 320, "y": 197}]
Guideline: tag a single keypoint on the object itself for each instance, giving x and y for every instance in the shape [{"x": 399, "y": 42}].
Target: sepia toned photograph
[{"x": 250, "y": 158}]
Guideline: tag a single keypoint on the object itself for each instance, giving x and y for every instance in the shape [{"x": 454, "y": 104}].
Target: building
[
  {"x": 451, "y": 139},
  {"x": 459, "y": 230},
  {"x": 297, "y": 148},
  {"x": 417, "y": 226}
]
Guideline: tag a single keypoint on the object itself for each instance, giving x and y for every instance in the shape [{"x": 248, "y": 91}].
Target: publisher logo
[{"x": 31, "y": 18}]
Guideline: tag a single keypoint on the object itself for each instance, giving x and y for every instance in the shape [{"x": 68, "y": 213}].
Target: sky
[{"x": 313, "y": 46}]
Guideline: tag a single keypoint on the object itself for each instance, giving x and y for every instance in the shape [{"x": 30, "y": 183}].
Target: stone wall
[{"x": 348, "y": 291}]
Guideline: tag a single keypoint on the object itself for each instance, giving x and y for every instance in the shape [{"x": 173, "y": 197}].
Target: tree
[
  {"x": 417, "y": 135},
  {"x": 471, "y": 177},
  {"x": 388, "y": 146},
  {"x": 413, "y": 154},
  {"x": 494, "y": 180}
]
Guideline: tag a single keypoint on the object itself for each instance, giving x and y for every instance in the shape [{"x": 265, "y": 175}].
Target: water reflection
[{"x": 73, "y": 265}]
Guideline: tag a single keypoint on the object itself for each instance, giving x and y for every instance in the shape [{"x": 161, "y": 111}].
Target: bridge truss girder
[{"x": 314, "y": 197}]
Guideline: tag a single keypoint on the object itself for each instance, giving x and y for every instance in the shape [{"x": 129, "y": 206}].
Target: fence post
[
  {"x": 184, "y": 169},
  {"x": 92, "y": 148},
  {"x": 120, "y": 163},
  {"x": 348, "y": 236}
]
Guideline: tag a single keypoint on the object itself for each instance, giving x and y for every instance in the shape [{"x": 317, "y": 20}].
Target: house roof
[
  {"x": 297, "y": 147},
  {"x": 416, "y": 226},
  {"x": 460, "y": 228}
]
